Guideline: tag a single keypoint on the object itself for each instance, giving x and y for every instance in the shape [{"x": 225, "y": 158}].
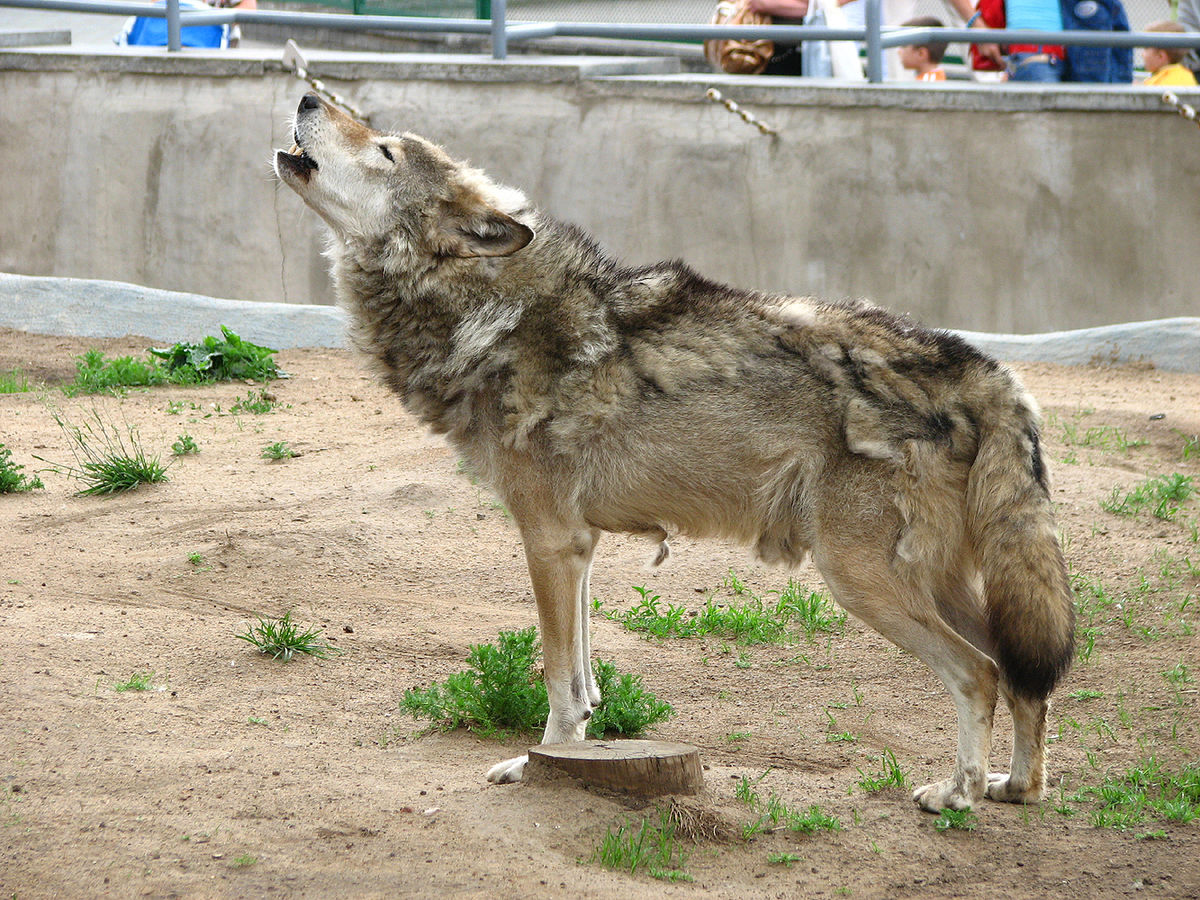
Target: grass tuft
[
  {"x": 11, "y": 479},
  {"x": 653, "y": 847},
  {"x": 956, "y": 820},
  {"x": 501, "y": 692},
  {"x": 282, "y": 639},
  {"x": 107, "y": 460}
]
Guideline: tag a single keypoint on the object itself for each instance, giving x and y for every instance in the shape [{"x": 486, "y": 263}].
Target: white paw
[
  {"x": 508, "y": 771},
  {"x": 1000, "y": 787},
  {"x": 940, "y": 795}
]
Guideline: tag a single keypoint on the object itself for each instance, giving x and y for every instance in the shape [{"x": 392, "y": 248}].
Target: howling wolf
[{"x": 593, "y": 397}]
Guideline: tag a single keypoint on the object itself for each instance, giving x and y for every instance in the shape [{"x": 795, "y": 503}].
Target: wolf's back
[{"x": 1030, "y": 609}]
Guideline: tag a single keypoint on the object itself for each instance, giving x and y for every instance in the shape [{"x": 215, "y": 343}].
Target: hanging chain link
[
  {"x": 293, "y": 59},
  {"x": 749, "y": 118}
]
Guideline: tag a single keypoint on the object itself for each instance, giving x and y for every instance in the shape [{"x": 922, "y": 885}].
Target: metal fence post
[
  {"x": 874, "y": 22},
  {"x": 499, "y": 35},
  {"x": 174, "y": 33}
]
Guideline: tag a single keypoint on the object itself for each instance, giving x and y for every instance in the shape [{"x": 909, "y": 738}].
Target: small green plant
[
  {"x": 651, "y": 846},
  {"x": 774, "y": 815},
  {"x": 1164, "y": 495},
  {"x": 184, "y": 445},
  {"x": 1191, "y": 445},
  {"x": 138, "y": 681},
  {"x": 14, "y": 382},
  {"x": 256, "y": 403},
  {"x": 1147, "y": 790},
  {"x": 11, "y": 479},
  {"x": 278, "y": 450},
  {"x": 244, "y": 861},
  {"x": 227, "y": 358},
  {"x": 501, "y": 692},
  {"x": 892, "y": 776},
  {"x": 783, "y": 859},
  {"x": 95, "y": 374},
  {"x": 955, "y": 820},
  {"x": 107, "y": 460},
  {"x": 1086, "y": 694},
  {"x": 282, "y": 639},
  {"x": 1179, "y": 675}
]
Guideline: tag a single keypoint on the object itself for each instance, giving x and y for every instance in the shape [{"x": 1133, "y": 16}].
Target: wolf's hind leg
[
  {"x": 1026, "y": 779},
  {"x": 559, "y": 558},
  {"x": 909, "y": 620}
]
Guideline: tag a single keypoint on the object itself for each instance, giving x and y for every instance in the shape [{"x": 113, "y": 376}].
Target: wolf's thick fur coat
[{"x": 594, "y": 397}]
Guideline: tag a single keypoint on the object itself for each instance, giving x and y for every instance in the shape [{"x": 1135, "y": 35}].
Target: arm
[
  {"x": 787, "y": 9},
  {"x": 966, "y": 9}
]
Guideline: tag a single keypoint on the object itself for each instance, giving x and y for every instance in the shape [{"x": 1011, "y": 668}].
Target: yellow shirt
[{"x": 1173, "y": 75}]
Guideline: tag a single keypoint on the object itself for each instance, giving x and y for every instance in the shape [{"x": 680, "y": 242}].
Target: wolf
[{"x": 594, "y": 397}]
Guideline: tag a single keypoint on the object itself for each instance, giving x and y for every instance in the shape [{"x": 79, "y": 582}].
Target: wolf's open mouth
[{"x": 303, "y": 160}]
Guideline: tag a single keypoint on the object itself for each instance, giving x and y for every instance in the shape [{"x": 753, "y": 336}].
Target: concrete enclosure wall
[{"x": 988, "y": 208}]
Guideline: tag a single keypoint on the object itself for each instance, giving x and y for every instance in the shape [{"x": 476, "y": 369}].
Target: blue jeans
[{"x": 1040, "y": 67}]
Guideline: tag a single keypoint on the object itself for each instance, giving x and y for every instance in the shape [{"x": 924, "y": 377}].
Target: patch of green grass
[
  {"x": 11, "y": 479},
  {"x": 14, "y": 382},
  {"x": 1191, "y": 445},
  {"x": 748, "y": 619},
  {"x": 282, "y": 639},
  {"x": 1164, "y": 495},
  {"x": 502, "y": 692},
  {"x": 278, "y": 450},
  {"x": 256, "y": 403},
  {"x": 783, "y": 859},
  {"x": 184, "y": 445},
  {"x": 1145, "y": 791},
  {"x": 652, "y": 847},
  {"x": 955, "y": 820},
  {"x": 891, "y": 776},
  {"x": 95, "y": 374},
  {"x": 244, "y": 861},
  {"x": 108, "y": 460},
  {"x": 1086, "y": 694},
  {"x": 774, "y": 815},
  {"x": 138, "y": 681}
]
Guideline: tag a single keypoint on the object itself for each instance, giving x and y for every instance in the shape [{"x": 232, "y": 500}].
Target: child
[
  {"x": 1163, "y": 63},
  {"x": 925, "y": 59}
]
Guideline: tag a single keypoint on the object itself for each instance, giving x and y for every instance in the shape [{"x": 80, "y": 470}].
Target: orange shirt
[
  {"x": 938, "y": 74},
  {"x": 1172, "y": 75}
]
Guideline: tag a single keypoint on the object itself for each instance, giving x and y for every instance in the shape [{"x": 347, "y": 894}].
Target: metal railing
[{"x": 874, "y": 35}]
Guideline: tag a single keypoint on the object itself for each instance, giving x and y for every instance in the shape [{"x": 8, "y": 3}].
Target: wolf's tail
[{"x": 1030, "y": 606}]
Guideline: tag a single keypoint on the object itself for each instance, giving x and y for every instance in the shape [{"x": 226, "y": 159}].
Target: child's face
[
  {"x": 1153, "y": 58},
  {"x": 912, "y": 57}
]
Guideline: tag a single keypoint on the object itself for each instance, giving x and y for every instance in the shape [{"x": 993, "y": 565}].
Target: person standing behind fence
[
  {"x": 1189, "y": 18},
  {"x": 924, "y": 59},
  {"x": 1164, "y": 63},
  {"x": 788, "y": 58},
  {"x": 1026, "y": 62}
]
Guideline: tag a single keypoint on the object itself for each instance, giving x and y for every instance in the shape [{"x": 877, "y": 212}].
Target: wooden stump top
[{"x": 644, "y": 768}]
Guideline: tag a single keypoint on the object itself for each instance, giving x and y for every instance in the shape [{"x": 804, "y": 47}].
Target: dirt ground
[{"x": 240, "y": 776}]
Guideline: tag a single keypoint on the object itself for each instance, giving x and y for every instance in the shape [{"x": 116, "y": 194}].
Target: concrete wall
[{"x": 989, "y": 208}]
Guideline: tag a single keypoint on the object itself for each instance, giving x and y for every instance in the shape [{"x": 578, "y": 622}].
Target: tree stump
[{"x": 644, "y": 768}]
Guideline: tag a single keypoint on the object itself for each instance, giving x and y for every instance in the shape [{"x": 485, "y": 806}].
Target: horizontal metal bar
[
  {"x": 901, "y": 37},
  {"x": 528, "y": 30}
]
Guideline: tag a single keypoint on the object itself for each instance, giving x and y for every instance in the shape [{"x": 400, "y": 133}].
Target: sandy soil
[{"x": 239, "y": 776}]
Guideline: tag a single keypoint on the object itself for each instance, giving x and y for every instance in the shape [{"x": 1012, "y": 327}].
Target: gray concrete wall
[{"x": 995, "y": 209}]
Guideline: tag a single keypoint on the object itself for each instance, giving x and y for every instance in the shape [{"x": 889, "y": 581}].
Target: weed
[
  {"x": 258, "y": 720},
  {"x": 501, "y": 692},
  {"x": 256, "y": 403},
  {"x": 184, "y": 445},
  {"x": 244, "y": 861},
  {"x": 1179, "y": 675},
  {"x": 1191, "y": 445},
  {"x": 774, "y": 815},
  {"x": 11, "y": 479},
  {"x": 138, "y": 681},
  {"x": 1099, "y": 437},
  {"x": 892, "y": 775},
  {"x": 278, "y": 450},
  {"x": 106, "y": 460},
  {"x": 195, "y": 558},
  {"x": 14, "y": 382},
  {"x": 96, "y": 375},
  {"x": 227, "y": 358},
  {"x": 1162, "y": 494},
  {"x": 649, "y": 846},
  {"x": 783, "y": 859},
  {"x": 750, "y": 620},
  {"x": 955, "y": 819},
  {"x": 1086, "y": 694},
  {"x": 282, "y": 638},
  {"x": 1145, "y": 790},
  {"x": 737, "y": 736}
]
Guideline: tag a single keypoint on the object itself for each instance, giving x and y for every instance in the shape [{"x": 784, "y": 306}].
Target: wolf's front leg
[{"x": 560, "y": 559}]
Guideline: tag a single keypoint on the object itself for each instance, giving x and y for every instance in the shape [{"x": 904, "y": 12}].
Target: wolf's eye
[{"x": 386, "y": 152}]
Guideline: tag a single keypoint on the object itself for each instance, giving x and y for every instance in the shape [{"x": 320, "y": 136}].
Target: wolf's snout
[{"x": 309, "y": 101}]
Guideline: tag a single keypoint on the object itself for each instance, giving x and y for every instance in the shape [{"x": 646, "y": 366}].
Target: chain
[
  {"x": 293, "y": 59},
  {"x": 1188, "y": 112},
  {"x": 749, "y": 118}
]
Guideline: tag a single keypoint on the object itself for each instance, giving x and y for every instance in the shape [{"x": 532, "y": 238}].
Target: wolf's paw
[
  {"x": 508, "y": 771},
  {"x": 940, "y": 795},
  {"x": 1001, "y": 787}
]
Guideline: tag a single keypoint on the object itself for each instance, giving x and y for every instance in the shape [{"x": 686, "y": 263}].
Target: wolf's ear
[{"x": 482, "y": 231}]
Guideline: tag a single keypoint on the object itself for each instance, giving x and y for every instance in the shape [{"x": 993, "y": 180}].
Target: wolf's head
[{"x": 399, "y": 191}]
